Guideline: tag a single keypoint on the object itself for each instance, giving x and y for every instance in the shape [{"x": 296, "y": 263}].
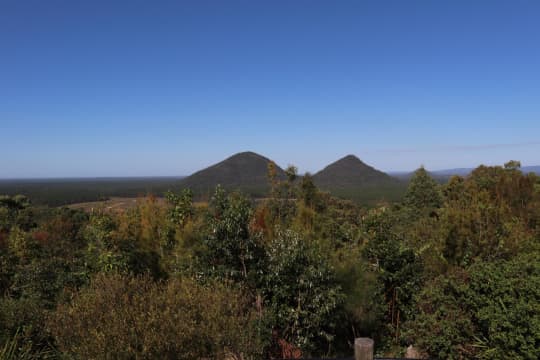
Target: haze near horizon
[{"x": 136, "y": 88}]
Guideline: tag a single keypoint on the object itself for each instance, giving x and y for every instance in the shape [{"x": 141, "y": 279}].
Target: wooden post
[{"x": 363, "y": 349}]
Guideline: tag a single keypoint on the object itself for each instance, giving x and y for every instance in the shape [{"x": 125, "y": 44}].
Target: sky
[{"x": 152, "y": 88}]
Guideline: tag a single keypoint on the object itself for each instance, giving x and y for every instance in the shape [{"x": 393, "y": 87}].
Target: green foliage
[
  {"x": 121, "y": 317},
  {"x": 15, "y": 211},
  {"x": 292, "y": 173},
  {"x": 423, "y": 192},
  {"x": 231, "y": 250},
  {"x": 181, "y": 209},
  {"x": 128, "y": 243},
  {"x": 308, "y": 191},
  {"x": 364, "y": 309},
  {"x": 300, "y": 293},
  {"x": 281, "y": 206},
  {"x": 488, "y": 216},
  {"x": 372, "y": 196},
  {"x": 58, "y": 192},
  {"x": 299, "y": 298},
  {"x": 489, "y": 311},
  {"x": 453, "y": 270},
  {"x": 103, "y": 253},
  {"x": 398, "y": 267},
  {"x": 512, "y": 165}
]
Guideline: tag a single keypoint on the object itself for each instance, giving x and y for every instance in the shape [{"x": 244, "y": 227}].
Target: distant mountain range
[
  {"x": 348, "y": 177},
  {"x": 533, "y": 169}
]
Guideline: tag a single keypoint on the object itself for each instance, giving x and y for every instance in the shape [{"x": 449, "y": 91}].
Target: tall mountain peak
[{"x": 246, "y": 171}]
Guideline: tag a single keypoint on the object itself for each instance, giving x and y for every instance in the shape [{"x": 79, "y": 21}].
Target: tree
[
  {"x": 488, "y": 311},
  {"x": 292, "y": 173},
  {"x": 181, "y": 209},
  {"x": 232, "y": 251},
  {"x": 398, "y": 267},
  {"x": 423, "y": 192},
  {"x": 15, "y": 211},
  {"x": 308, "y": 190},
  {"x": 274, "y": 181},
  {"x": 487, "y": 216},
  {"x": 300, "y": 293},
  {"x": 512, "y": 165}
]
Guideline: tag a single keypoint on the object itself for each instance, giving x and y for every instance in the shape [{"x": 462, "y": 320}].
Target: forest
[
  {"x": 452, "y": 269},
  {"x": 58, "y": 192}
]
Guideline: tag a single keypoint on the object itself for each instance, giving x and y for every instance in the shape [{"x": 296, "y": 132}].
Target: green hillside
[
  {"x": 246, "y": 171},
  {"x": 351, "y": 178}
]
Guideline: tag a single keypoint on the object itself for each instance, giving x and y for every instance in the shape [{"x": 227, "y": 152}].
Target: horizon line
[{"x": 115, "y": 177}]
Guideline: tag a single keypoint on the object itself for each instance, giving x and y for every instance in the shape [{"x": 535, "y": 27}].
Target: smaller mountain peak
[
  {"x": 350, "y": 172},
  {"x": 350, "y": 160},
  {"x": 350, "y": 157},
  {"x": 247, "y": 155}
]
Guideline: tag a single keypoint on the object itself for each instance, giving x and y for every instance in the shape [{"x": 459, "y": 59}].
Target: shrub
[
  {"x": 124, "y": 317},
  {"x": 490, "y": 311},
  {"x": 22, "y": 332},
  {"x": 301, "y": 293}
]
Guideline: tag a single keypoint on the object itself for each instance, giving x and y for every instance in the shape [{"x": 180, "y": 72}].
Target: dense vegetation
[
  {"x": 453, "y": 269},
  {"x": 56, "y": 192}
]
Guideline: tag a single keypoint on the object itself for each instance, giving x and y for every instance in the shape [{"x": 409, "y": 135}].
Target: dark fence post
[{"x": 363, "y": 349}]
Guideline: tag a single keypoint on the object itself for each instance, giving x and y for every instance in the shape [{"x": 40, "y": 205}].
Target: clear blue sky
[{"x": 122, "y": 88}]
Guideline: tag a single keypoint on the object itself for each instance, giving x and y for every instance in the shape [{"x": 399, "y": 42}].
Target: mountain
[
  {"x": 246, "y": 171},
  {"x": 350, "y": 172},
  {"x": 441, "y": 176},
  {"x": 452, "y": 172},
  {"x": 533, "y": 169},
  {"x": 352, "y": 179}
]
